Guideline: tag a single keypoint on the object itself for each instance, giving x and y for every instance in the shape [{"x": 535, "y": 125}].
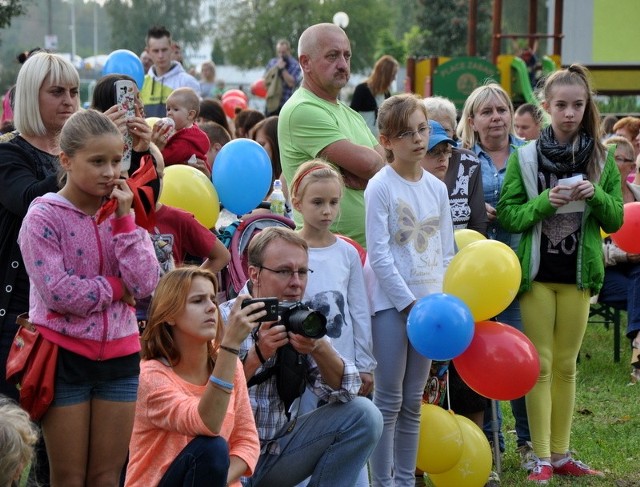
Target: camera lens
[{"x": 308, "y": 323}]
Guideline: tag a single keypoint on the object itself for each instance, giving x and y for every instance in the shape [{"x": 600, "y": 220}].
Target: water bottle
[{"x": 277, "y": 198}]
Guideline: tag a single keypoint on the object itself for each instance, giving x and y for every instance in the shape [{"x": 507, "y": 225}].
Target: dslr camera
[
  {"x": 299, "y": 318},
  {"x": 294, "y": 315}
]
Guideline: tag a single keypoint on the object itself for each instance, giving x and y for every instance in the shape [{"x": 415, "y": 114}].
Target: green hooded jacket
[{"x": 521, "y": 210}]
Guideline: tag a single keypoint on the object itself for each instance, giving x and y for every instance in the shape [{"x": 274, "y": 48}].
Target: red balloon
[
  {"x": 628, "y": 236},
  {"x": 258, "y": 88},
  {"x": 361, "y": 252},
  {"x": 501, "y": 362},
  {"x": 231, "y": 103},
  {"x": 237, "y": 93}
]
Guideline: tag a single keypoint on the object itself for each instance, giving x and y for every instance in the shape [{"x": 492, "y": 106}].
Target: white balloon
[{"x": 341, "y": 19}]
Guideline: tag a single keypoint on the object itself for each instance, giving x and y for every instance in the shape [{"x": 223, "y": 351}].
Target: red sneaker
[
  {"x": 542, "y": 472},
  {"x": 576, "y": 469}
]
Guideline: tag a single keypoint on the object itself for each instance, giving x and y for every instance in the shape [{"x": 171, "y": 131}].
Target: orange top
[{"x": 167, "y": 419}]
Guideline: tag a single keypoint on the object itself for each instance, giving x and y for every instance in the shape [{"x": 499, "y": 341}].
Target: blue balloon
[
  {"x": 242, "y": 175},
  {"x": 123, "y": 61},
  {"x": 440, "y": 326}
]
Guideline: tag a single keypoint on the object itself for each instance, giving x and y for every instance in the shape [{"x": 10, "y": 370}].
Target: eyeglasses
[
  {"x": 623, "y": 160},
  {"x": 439, "y": 153},
  {"x": 409, "y": 134},
  {"x": 288, "y": 273}
]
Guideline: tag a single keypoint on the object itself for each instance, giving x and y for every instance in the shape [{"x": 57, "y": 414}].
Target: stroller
[{"x": 236, "y": 238}]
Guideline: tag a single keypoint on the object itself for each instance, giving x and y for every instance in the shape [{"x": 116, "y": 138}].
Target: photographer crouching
[{"x": 332, "y": 443}]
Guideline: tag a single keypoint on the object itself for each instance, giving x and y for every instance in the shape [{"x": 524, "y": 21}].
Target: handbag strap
[{"x": 23, "y": 321}]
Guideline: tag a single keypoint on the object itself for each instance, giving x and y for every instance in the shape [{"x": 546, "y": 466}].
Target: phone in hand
[
  {"x": 270, "y": 305},
  {"x": 126, "y": 98}
]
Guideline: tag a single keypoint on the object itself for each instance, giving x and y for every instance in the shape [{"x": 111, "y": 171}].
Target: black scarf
[{"x": 559, "y": 158}]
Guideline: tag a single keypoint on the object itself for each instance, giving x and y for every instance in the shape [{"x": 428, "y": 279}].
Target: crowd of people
[{"x": 307, "y": 377}]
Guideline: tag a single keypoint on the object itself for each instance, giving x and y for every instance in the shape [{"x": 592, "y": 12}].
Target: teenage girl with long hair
[
  {"x": 85, "y": 278},
  {"x": 558, "y": 192}
]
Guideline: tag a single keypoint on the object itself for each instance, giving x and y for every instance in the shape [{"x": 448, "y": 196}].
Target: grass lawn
[{"x": 606, "y": 425}]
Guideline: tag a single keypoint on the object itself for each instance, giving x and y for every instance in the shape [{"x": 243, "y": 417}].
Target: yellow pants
[{"x": 554, "y": 317}]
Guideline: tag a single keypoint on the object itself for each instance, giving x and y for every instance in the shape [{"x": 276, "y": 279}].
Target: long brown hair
[
  {"x": 384, "y": 71},
  {"x": 576, "y": 74},
  {"x": 169, "y": 300}
]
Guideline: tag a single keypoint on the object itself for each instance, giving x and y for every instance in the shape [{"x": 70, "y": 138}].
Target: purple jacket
[{"x": 77, "y": 268}]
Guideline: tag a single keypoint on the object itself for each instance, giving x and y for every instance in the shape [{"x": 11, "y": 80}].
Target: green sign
[{"x": 457, "y": 78}]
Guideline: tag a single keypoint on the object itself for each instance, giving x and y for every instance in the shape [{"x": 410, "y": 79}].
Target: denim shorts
[{"x": 124, "y": 389}]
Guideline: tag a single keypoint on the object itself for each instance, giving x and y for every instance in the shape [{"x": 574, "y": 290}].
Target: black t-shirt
[{"x": 560, "y": 239}]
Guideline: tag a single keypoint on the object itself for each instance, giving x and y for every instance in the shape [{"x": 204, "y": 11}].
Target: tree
[
  {"x": 10, "y": 9},
  {"x": 251, "y": 28},
  {"x": 130, "y": 21},
  {"x": 387, "y": 43},
  {"x": 447, "y": 23}
]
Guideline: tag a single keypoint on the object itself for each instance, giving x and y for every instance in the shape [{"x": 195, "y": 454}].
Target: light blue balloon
[
  {"x": 440, "y": 326},
  {"x": 126, "y": 62},
  {"x": 242, "y": 175}
]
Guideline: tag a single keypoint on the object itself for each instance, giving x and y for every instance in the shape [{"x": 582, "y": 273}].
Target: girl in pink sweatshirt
[{"x": 84, "y": 280}]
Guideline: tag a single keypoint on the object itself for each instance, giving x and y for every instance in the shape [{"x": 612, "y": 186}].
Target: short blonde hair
[
  {"x": 18, "y": 437},
  {"x": 259, "y": 243},
  {"x": 40, "y": 66},
  {"x": 478, "y": 97}
]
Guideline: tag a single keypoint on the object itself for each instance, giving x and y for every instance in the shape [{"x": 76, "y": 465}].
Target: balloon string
[{"x": 448, "y": 397}]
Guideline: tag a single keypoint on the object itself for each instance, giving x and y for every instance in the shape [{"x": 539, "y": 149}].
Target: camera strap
[{"x": 290, "y": 369}]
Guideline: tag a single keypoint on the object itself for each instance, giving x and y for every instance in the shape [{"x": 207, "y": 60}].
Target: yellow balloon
[
  {"x": 603, "y": 234},
  {"x": 465, "y": 236},
  {"x": 486, "y": 276},
  {"x": 187, "y": 188},
  {"x": 151, "y": 121},
  {"x": 440, "y": 441},
  {"x": 474, "y": 466}
]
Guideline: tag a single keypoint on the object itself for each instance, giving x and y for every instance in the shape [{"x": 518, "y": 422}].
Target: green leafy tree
[
  {"x": 10, "y": 9},
  {"x": 251, "y": 28},
  {"x": 447, "y": 22},
  {"x": 388, "y": 43},
  {"x": 217, "y": 54},
  {"x": 130, "y": 20}
]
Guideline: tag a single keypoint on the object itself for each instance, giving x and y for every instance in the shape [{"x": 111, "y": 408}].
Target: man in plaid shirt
[{"x": 332, "y": 443}]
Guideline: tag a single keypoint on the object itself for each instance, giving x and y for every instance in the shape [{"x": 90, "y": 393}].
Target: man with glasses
[
  {"x": 315, "y": 123},
  {"x": 332, "y": 443}
]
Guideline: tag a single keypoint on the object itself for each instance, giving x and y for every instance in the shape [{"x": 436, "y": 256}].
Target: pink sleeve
[
  {"x": 123, "y": 224},
  {"x": 117, "y": 287}
]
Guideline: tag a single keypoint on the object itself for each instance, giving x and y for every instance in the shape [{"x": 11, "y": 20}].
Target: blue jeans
[
  {"x": 510, "y": 316},
  {"x": 204, "y": 462},
  {"x": 330, "y": 444},
  {"x": 621, "y": 289}
]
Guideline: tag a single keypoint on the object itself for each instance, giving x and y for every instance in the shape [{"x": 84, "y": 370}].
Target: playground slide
[{"x": 521, "y": 79}]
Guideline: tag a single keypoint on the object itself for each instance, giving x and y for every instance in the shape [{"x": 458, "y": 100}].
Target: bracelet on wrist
[
  {"x": 221, "y": 383},
  {"x": 259, "y": 354},
  {"x": 234, "y": 351}
]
